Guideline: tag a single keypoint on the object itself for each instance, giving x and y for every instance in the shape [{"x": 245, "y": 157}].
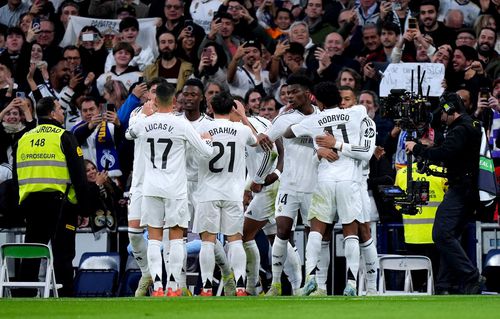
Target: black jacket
[{"x": 459, "y": 151}]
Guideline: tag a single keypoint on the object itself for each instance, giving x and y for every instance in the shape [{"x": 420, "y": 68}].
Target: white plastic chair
[
  {"x": 28, "y": 250},
  {"x": 406, "y": 264}
]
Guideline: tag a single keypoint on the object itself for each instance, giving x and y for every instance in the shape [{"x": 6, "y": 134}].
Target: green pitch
[{"x": 436, "y": 307}]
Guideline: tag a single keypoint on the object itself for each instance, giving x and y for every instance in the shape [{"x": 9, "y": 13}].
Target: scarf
[
  {"x": 106, "y": 154},
  {"x": 13, "y": 128}
]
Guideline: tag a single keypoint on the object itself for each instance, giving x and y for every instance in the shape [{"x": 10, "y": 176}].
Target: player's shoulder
[{"x": 358, "y": 108}]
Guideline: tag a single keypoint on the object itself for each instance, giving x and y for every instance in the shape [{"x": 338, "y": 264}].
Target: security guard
[
  {"x": 418, "y": 228},
  {"x": 460, "y": 154},
  {"x": 52, "y": 181}
]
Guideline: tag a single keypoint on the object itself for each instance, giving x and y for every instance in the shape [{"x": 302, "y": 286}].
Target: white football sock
[
  {"x": 369, "y": 252},
  {"x": 237, "y": 260},
  {"x": 221, "y": 258},
  {"x": 324, "y": 262},
  {"x": 279, "y": 255},
  {"x": 166, "y": 251},
  {"x": 293, "y": 267},
  {"x": 139, "y": 248},
  {"x": 207, "y": 262},
  {"x": 154, "y": 261},
  {"x": 253, "y": 263},
  {"x": 351, "y": 248},
  {"x": 313, "y": 251},
  {"x": 176, "y": 260},
  {"x": 182, "y": 279}
]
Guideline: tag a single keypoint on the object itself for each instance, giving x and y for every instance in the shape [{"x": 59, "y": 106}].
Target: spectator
[
  {"x": 93, "y": 52},
  {"x": 283, "y": 19},
  {"x": 454, "y": 19},
  {"x": 269, "y": 108},
  {"x": 168, "y": 66},
  {"x": 368, "y": 12},
  {"x": 468, "y": 71},
  {"x": 123, "y": 53},
  {"x": 51, "y": 51},
  {"x": 487, "y": 54},
  {"x": 466, "y": 37},
  {"x": 318, "y": 28},
  {"x": 66, "y": 9},
  {"x": 17, "y": 54},
  {"x": 104, "y": 196},
  {"x": 429, "y": 24},
  {"x": 115, "y": 93},
  {"x": 90, "y": 131},
  {"x": 6, "y": 86},
  {"x": 211, "y": 89},
  {"x": 484, "y": 20},
  {"x": 250, "y": 75},
  {"x": 288, "y": 58},
  {"x": 129, "y": 30},
  {"x": 109, "y": 9},
  {"x": 203, "y": 12},
  {"x": 299, "y": 32},
  {"x": 331, "y": 59},
  {"x": 16, "y": 120},
  {"x": 398, "y": 13},
  {"x": 174, "y": 21},
  {"x": 252, "y": 101},
  {"x": 11, "y": 12},
  {"x": 468, "y": 10},
  {"x": 384, "y": 125},
  {"x": 52, "y": 196},
  {"x": 212, "y": 66},
  {"x": 349, "y": 77},
  {"x": 221, "y": 31}
]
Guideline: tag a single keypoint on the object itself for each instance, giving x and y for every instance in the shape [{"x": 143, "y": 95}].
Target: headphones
[{"x": 451, "y": 103}]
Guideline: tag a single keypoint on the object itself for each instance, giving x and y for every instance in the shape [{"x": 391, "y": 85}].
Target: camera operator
[{"x": 460, "y": 154}]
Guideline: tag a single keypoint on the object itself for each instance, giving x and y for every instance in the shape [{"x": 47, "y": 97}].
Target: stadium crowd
[{"x": 267, "y": 64}]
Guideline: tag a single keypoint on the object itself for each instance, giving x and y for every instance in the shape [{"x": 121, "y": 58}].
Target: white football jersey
[
  {"x": 345, "y": 125},
  {"x": 165, "y": 136},
  {"x": 366, "y": 140},
  {"x": 222, "y": 175},
  {"x": 138, "y": 166},
  {"x": 191, "y": 156},
  {"x": 299, "y": 171},
  {"x": 260, "y": 163}
]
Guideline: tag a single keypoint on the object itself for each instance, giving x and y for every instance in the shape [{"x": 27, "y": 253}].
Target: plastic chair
[
  {"x": 97, "y": 275},
  {"x": 28, "y": 250},
  {"x": 406, "y": 264}
]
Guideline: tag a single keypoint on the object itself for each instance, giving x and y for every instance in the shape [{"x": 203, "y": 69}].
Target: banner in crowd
[
  {"x": 399, "y": 75},
  {"x": 146, "y": 37}
]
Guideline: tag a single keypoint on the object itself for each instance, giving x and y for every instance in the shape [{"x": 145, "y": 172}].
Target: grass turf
[{"x": 481, "y": 307}]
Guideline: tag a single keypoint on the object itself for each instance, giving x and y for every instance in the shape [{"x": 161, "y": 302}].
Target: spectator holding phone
[
  {"x": 11, "y": 12},
  {"x": 92, "y": 51},
  {"x": 212, "y": 66},
  {"x": 98, "y": 134}
]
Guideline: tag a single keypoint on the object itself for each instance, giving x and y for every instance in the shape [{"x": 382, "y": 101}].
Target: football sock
[
  {"x": 279, "y": 255},
  {"x": 176, "y": 261},
  {"x": 313, "y": 251},
  {"x": 351, "y": 248},
  {"x": 207, "y": 262},
  {"x": 154, "y": 261},
  {"x": 221, "y": 258},
  {"x": 293, "y": 267},
  {"x": 139, "y": 248},
  {"x": 253, "y": 263},
  {"x": 166, "y": 250},
  {"x": 237, "y": 260},
  {"x": 369, "y": 252},
  {"x": 182, "y": 279},
  {"x": 324, "y": 262}
]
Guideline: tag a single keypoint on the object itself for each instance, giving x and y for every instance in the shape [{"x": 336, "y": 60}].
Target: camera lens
[{"x": 189, "y": 28}]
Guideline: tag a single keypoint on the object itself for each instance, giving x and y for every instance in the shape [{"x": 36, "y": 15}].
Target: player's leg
[
  {"x": 250, "y": 229},
  {"x": 138, "y": 243},
  {"x": 370, "y": 257},
  {"x": 324, "y": 262},
  {"x": 207, "y": 224},
  {"x": 232, "y": 227},
  {"x": 154, "y": 219},
  {"x": 225, "y": 268}
]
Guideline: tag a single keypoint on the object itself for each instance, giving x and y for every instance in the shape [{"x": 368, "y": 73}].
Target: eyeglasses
[{"x": 172, "y": 6}]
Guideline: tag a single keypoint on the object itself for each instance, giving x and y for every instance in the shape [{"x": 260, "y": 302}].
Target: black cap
[
  {"x": 129, "y": 22},
  {"x": 252, "y": 43}
]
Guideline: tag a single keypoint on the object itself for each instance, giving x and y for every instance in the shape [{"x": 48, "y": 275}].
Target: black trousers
[
  {"x": 451, "y": 219},
  {"x": 49, "y": 218}
]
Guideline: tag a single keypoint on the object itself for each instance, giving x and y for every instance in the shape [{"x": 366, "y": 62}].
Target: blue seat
[
  {"x": 97, "y": 275},
  {"x": 130, "y": 279},
  {"x": 491, "y": 270}
]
